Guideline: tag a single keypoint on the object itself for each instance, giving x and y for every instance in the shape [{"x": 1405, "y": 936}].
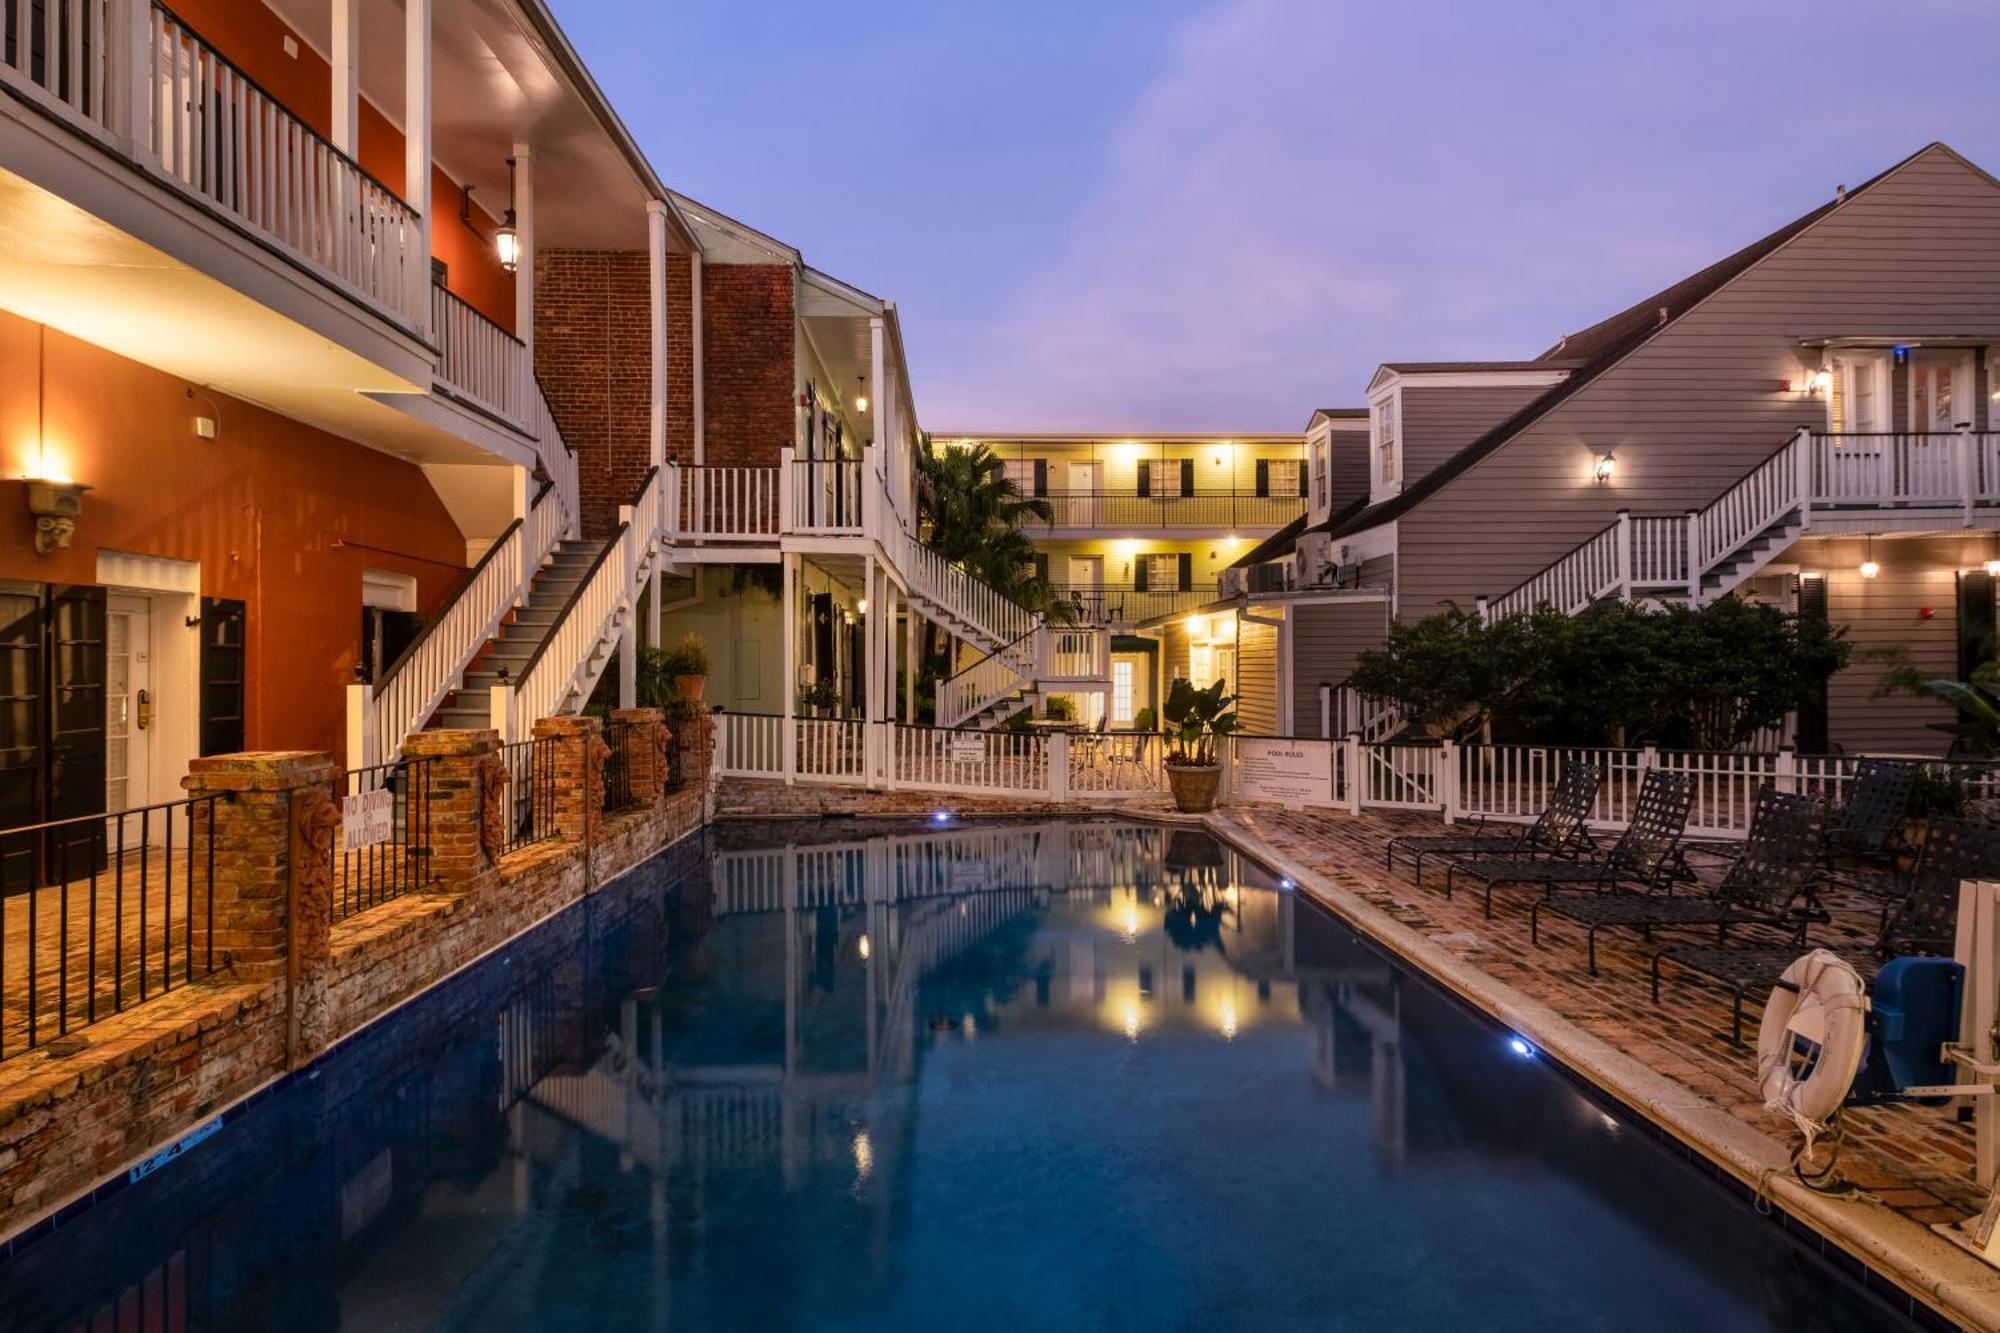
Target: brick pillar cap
[
  {"x": 580, "y": 725},
  {"x": 430, "y": 744},
  {"x": 259, "y": 770}
]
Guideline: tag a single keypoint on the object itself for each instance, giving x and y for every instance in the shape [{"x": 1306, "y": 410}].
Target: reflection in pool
[{"x": 1053, "y": 1075}]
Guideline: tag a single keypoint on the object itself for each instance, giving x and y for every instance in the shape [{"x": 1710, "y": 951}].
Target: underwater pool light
[{"x": 1520, "y": 1047}]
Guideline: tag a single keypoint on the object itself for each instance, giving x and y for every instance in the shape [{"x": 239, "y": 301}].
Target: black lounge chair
[
  {"x": 1561, "y": 829},
  {"x": 1870, "y": 823},
  {"x": 1923, "y": 921},
  {"x": 1770, "y": 884},
  {"x": 1646, "y": 853}
]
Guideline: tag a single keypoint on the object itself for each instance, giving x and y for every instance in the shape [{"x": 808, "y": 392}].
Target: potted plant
[
  {"x": 822, "y": 696},
  {"x": 689, "y": 665},
  {"x": 1194, "y": 719},
  {"x": 1936, "y": 794}
]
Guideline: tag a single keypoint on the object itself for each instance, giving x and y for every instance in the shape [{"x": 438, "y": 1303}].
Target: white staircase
[{"x": 1943, "y": 479}]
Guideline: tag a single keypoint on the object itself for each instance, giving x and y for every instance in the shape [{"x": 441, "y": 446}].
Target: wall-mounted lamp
[
  {"x": 1605, "y": 468},
  {"x": 862, "y": 606},
  {"x": 1813, "y": 383},
  {"x": 507, "y": 240},
  {"x": 861, "y": 397},
  {"x": 1869, "y": 569},
  {"x": 56, "y": 505}
]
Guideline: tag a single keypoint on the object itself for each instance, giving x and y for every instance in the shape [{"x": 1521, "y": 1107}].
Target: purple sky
[{"x": 1171, "y": 215}]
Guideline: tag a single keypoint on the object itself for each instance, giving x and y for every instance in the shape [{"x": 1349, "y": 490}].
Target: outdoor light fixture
[
  {"x": 56, "y": 503},
  {"x": 1814, "y": 383},
  {"x": 861, "y": 398},
  {"x": 1869, "y": 569},
  {"x": 862, "y": 606},
  {"x": 507, "y": 241},
  {"x": 1605, "y": 467},
  {"x": 863, "y": 948}
]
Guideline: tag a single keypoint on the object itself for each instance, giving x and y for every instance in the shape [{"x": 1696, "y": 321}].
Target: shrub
[
  {"x": 1060, "y": 708},
  {"x": 689, "y": 658}
]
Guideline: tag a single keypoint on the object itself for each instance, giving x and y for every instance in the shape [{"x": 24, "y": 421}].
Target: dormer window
[
  {"x": 1319, "y": 452},
  {"x": 1385, "y": 441}
]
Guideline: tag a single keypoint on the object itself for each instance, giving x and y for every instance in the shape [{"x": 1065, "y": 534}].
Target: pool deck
[{"x": 1911, "y": 1167}]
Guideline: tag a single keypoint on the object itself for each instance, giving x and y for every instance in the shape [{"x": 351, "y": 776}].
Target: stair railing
[
  {"x": 433, "y": 665},
  {"x": 991, "y": 679}
]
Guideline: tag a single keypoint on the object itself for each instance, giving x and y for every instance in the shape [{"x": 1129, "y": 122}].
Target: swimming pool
[{"x": 1032, "y": 1075}]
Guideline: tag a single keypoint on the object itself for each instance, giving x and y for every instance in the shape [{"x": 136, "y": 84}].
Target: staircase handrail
[
  {"x": 988, "y": 680},
  {"x": 1566, "y": 582},
  {"x": 410, "y": 689},
  {"x": 558, "y": 459},
  {"x": 1756, "y": 500}
]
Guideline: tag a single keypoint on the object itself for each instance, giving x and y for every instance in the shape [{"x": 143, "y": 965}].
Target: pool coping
[{"x": 1931, "y": 1267}]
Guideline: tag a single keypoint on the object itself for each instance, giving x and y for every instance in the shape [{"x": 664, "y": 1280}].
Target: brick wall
[
  {"x": 749, "y": 351},
  {"x": 593, "y": 353}
]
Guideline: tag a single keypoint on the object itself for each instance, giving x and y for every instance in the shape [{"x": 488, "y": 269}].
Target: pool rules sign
[
  {"x": 366, "y": 818},
  {"x": 1289, "y": 772}
]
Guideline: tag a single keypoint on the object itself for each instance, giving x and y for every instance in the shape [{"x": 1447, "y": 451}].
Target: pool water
[{"x": 1023, "y": 1076}]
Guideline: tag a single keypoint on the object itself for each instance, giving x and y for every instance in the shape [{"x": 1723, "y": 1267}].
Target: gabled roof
[
  {"x": 1598, "y": 348},
  {"x": 1349, "y": 415}
]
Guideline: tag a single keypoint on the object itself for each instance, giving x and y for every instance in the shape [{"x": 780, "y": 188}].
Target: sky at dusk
[{"x": 1127, "y": 215}]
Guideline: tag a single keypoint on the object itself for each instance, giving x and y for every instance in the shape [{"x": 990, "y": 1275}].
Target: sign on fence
[
  {"x": 968, "y": 749},
  {"x": 366, "y": 818},
  {"x": 1291, "y": 772}
]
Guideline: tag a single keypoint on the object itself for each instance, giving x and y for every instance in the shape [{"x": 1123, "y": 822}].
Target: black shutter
[
  {"x": 822, "y": 624},
  {"x": 1042, "y": 567},
  {"x": 1302, "y": 479},
  {"x": 22, "y": 715},
  {"x": 1187, "y": 571},
  {"x": 1978, "y": 642},
  {"x": 1187, "y": 476},
  {"x": 1139, "y": 572},
  {"x": 76, "y": 731},
  {"x": 1263, "y": 476},
  {"x": 1812, "y": 729},
  {"x": 1145, "y": 477},
  {"x": 223, "y": 673},
  {"x": 857, "y": 666},
  {"x": 1041, "y": 478}
]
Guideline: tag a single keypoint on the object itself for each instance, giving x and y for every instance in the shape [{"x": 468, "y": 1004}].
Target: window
[
  {"x": 1121, "y": 691},
  {"x": 1284, "y": 476},
  {"x": 1385, "y": 440},
  {"x": 1319, "y": 450},
  {"x": 1163, "y": 572}
]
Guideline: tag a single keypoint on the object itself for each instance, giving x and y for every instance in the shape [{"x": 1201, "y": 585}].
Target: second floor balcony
[
  {"x": 1217, "y": 511},
  {"x": 1124, "y": 605}
]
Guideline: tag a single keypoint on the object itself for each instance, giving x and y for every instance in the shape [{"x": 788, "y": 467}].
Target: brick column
[
  {"x": 695, "y": 753},
  {"x": 261, "y": 796},
  {"x": 578, "y": 764},
  {"x": 464, "y": 787},
  {"x": 645, "y": 738}
]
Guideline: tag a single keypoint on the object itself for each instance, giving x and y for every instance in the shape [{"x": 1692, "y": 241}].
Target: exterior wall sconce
[
  {"x": 1813, "y": 383},
  {"x": 861, "y": 398},
  {"x": 1605, "y": 468},
  {"x": 1993, "y": 567},
  {"x": 1869, "y": 569},
  {"x": 56, "y": 506},
  {"x": 507, "y": 240}
]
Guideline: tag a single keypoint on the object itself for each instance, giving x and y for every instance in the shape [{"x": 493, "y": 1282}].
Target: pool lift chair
[
  {"x": 1920, "y": 922},
  {"x": 1770, "y": 884},
  {"x": 1647, "y": 854},
  {"x": 1562, "y": 829}
]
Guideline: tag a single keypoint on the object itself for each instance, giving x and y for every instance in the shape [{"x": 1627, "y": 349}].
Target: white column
[
  {"x": 700, "y": 426},
  {"x": 417, "y": 149},
  {"x": 876, "y": 404},
  {"x": 656, "y": 248},
  {"x": 912, "y": 640},
  {"x": 524, "y": 276},
  {"x": 789, "y": 602},
  {"x": 871, "y": 663},
  {"x": 628, "y": 623},
  {"x": 346, "y": 60}
]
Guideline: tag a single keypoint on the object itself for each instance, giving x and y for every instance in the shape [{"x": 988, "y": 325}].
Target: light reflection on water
[{"x": 1030, "y": 1075}]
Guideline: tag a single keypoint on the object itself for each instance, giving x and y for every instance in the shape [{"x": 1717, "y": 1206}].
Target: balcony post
[
  {"x": 345, "y": 57},
  {"x": 628, "y": 620},
  {"x": 1693, "y": 558},
  {"x": 788, "y": 600},
  {"x": 1802, "y": 445},
  {"x": 417, "y": 154},
  {"x": 129, "y": 100},
  {"x": 1624, "y": 555},
  {"x": 525, "y": 566},
  {"x": 787, "y": 483},
  {"x": 656, "y": 250},
  {"x": 524, "y": 273},
  {"x": 697, "y": 398},
  {"x": 1967, "y": 492}
]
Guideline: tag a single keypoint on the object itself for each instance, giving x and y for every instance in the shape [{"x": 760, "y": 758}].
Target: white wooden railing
[
  {"x": 558, "y": 460},
  {"x": 1356, "y": 714},
  {"x": 981, "y": 612},
  {"x": 994, "y": 678},
  {"x": 58, "y": 55},
  {"x": 1812, "y": 474},
  {"x": 722, "y": 503},
  {"x": 481, "y": 362},
  {"x": 220, "y": 136},
  {"x": 825, "y": 496}
]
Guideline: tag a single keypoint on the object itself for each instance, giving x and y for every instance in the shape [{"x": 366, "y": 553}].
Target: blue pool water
[{"x": 1028, "y": 1076}]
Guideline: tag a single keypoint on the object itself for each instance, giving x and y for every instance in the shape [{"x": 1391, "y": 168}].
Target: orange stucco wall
[
  {"x": 253, "y": 36},
  {"x": 261, "y": 508}
]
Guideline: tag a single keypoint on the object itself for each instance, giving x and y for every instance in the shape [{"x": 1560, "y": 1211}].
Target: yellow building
[{"x": 1139, "y": 530}]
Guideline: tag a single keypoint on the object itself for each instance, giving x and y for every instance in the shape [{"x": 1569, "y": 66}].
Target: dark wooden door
[
  {"x": 23, "y": 752},
  {"x": 76, "y": 623}
]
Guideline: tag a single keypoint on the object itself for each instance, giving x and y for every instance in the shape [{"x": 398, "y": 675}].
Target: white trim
[
  {"x": 388, "y": 590},
  {"x": 150, "y": 573},
  {"x": 1468, "y": 379}
]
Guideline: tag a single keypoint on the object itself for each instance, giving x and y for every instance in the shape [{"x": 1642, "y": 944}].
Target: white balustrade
[
  {"x": 218, "y": 135},
  {"x": 722, "y": 503},
  {"x": 970, "y": 762},
  {"x": 1117, "y": 763},
  {"x": 826, "y": 496},
  {"x": 750, "y": 744},
  {"x": 831, "y": 749},
  {"x": 57, "y": 54},
  {"x": 481, "y": 362}
]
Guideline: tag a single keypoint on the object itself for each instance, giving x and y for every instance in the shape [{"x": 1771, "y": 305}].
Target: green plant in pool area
[
  {"x": 1937, "y": 793},
  {"x": 1060, "y": 708},
  {"x": 1146, "y": 719},
  {"x": 689, "y": 657},
  {"x": 1195, "y": 718},
  {"x": 819, "y": 694}
]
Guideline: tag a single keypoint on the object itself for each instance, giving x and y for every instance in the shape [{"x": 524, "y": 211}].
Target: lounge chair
[
  {"x": 1871, "y": 821},
  {"x": 1922, "y": 921},
  {"x": 1770, "y": 884},
  {"x": 1646, "y": 854},
  {"x": 1560, "y": 830}
]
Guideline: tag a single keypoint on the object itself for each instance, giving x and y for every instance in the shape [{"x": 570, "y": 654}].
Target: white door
[
  {"x": 1858, "y": 464},
  {"x": 1086, "y": 587},
  {"x": 128, "y": 703},
  {"x": 1081, "y": 483},
  {"x": 1940, "y": 398}
]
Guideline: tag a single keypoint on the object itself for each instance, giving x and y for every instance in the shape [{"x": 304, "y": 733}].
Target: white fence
[
  {"x": 722, "y": 503},
  {"x": 482, "y": 362}
]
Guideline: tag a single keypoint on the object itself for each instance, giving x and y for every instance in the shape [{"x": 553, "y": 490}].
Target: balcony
[
  {"x": 1123, "y": 604},
  {"x": 1128, "y": 511}
]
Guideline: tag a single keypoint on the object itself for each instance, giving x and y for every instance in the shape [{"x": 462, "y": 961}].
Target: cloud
[{"x": 1306, "y": 189}]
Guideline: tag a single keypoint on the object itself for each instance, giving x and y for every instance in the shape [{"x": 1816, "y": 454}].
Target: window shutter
[
  {"x": 1811, "y": 733},
  {"x": 1145, "y": 477},
  {"x": 1263, "y": 476},
  {"x": 222, "y": 676},
  {"x": 1187, "y": 476},
  {"x": 1187, "y": 571},
  {"x": 1139, "y": 572},
  {"x": 1042, "y": 567},
  {"x": 1302, "y": 479},
  {"x": 1041, "y": 478}
]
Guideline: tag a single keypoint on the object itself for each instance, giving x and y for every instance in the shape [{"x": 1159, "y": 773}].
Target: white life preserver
[{"x": 1810, "y": 1043}]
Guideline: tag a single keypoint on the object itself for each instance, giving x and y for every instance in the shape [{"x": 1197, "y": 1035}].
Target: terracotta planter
[
  {"x": 1195, "y": 786},
  {"x": 691, "y": 687}
]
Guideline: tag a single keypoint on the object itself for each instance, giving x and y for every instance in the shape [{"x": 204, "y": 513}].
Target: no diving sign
[{"x": 366, "y": 818}]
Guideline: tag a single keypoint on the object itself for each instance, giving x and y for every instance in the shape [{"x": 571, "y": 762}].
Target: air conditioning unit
[
  {"x": 1315, "y": 557},
  {"x": 1230, "y": 583}
]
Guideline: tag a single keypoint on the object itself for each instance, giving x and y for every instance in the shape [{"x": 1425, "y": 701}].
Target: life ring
[{"x": 1810, "y": 1043}]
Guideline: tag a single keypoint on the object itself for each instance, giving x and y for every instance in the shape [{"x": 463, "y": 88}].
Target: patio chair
[
  {"x": 1871, "y": 821},
  {"x": 1770, "y": 884},
  {"x": 1560, "y": 830},
  {"x": 1647, "y": 853},
  {"x": 1924, "y": 920}
]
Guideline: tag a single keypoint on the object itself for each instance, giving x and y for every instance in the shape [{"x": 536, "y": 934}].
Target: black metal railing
[
  {"x": 624, "y": 740},
  {"x": 530, "y": 799},
  {"x": 381, "y": 854},
  {"x": 1197, "y": 509},
  {"x": 1125, "y": 604},
  {"x": 100, "y": 912}
]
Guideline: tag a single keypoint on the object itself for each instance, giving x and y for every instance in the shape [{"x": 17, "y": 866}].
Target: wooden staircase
[{"x": 521, "y": 636}]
